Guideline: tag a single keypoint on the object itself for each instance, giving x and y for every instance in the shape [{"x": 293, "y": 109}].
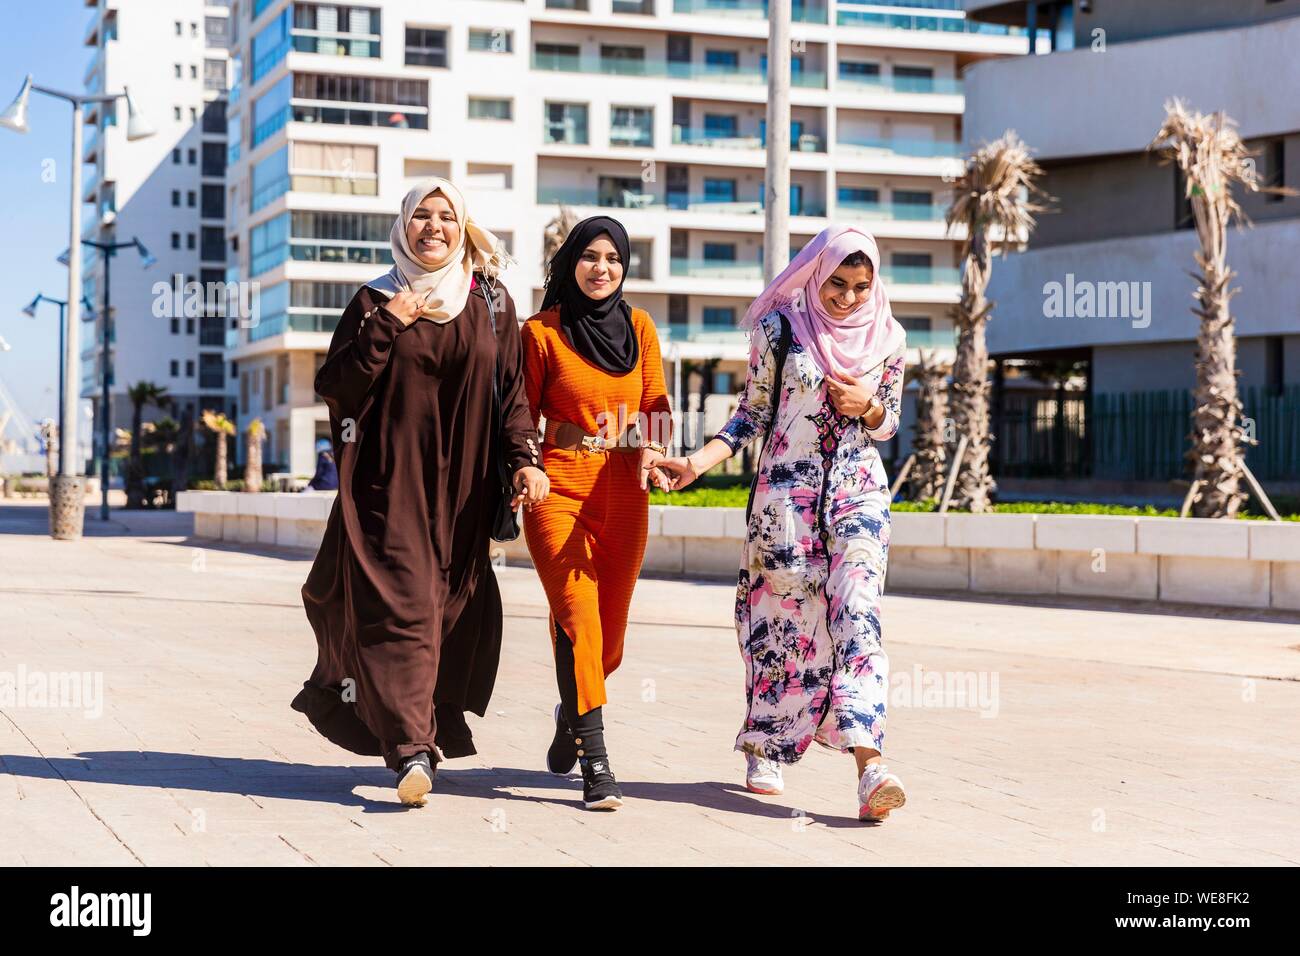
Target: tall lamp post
[
  {"x": 67, "y": 491},
  {"x": 776, "y": 178},
  {"x": 109, "y": 249},
  {"x": 30, "y": 311}
]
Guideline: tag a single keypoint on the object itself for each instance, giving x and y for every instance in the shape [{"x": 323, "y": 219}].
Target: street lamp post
[
  {"x": 67, "y": 490},
  {"x": 30, "y": 310},
  {"x": 109, "y": 249}
]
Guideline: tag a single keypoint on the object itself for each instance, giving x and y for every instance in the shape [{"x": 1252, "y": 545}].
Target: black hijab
[{"x": 600, "y": 330}]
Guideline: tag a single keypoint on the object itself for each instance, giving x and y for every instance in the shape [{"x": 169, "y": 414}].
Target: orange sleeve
[
  {"x": 654, "y": 394},
  {"x": 534, "y": 366}
]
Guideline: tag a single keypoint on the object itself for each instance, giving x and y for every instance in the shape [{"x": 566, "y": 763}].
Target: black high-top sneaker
[
  {"x": 415, "y": 779},
  {"x": 563, "y": 755},
  {"x": 599, "y": 788}
]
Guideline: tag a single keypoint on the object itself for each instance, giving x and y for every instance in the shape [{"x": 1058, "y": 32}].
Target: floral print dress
[{"x": 813, "y": 565}]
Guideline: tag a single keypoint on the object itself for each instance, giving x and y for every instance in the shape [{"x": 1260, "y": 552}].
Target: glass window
[
  {"x": 722, "y": 59},
  {"x": 495, "y": 40},
  {"x": 720, "y": 126},
  {"x": 426, "y": 47},
  {"x": 488, "y": 108},
  {"x": 719, "y": 190},
  {"x": 270, "y": 45},
  {"x": 631, "y": 126},
  {"x": 269, "y": 246},
  {"x": 271, "y": 110},
  {"x": 566, "y": 123},
  {"x": 719, "y": 252},
  {"x": 270, "y": 179},
  {"x": 719, "y": 315}
]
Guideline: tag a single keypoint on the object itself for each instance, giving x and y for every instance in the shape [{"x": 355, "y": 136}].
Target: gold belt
[{"x": 570, "y": 437}]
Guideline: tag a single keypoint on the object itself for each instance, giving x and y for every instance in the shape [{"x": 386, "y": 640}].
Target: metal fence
[{"x": 1144, "y": 436}]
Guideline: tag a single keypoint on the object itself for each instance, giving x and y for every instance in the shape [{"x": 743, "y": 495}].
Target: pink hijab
[{"x": 850, "y": 346}]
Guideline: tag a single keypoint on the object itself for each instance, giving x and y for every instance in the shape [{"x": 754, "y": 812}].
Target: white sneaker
[
  {"x": 763, "y": 775},
  {"x": 879, "y": 791}
]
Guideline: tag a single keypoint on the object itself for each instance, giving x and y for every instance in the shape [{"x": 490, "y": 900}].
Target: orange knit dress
[{"x": 588, "y": 538}]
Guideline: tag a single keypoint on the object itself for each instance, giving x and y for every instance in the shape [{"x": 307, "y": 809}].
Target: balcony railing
[
  {"x": 293, "y": 322},
  {"x": 910, "y": 21},
  {"x": 917, "y": 148},
  {"x": 707, "y": 333},
  {"x": 750, "y": 9},
  {"x": 694, "y": 136},
  {"x": 725, "y": 269},
  {"x": 670, "y": 69},
  {"x": 336, "y": 44},
  {"x": 629, "y": 199},
  {"x": 911, "y": 212},
  {"x": 941, "y": 86}
]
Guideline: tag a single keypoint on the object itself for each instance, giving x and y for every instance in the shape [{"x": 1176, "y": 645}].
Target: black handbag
[{"x": 505, "y": 522}]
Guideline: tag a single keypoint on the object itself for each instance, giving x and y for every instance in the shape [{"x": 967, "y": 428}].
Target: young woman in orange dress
[{"x": 593, "y": 372}]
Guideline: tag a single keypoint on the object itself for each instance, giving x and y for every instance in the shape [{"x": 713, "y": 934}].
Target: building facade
[
  {"x": 1121, "y": 228},
  {"x": 649, "y": 110},
  {"x": 167, "y": 190}
]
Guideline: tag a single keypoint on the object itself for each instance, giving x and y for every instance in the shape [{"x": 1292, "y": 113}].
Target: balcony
[
  {"x": 800, "y": 12},
  {"x": 735, "y": 269},
  {"x": 943, "y": 21},
  {"x": 696, "y": 136},
  {"x": 684, "y": 202},
  {"x": 914, "y": 148},
  {"x": 668, "y": 69},
  {"x": 937, "y": 86},
  {"x": 892, "y": 211}
]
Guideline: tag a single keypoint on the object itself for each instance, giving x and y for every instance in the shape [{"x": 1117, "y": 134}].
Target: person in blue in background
[{"x": 327, "y": 474}]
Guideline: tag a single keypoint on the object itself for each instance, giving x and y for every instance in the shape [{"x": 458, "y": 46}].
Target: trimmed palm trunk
[
  {"x": 993, "y": 201},
  {"x": 1213, "y": 161},
  {"x": 929, "y": 468},
  {"x": 220, "y": 426},
  {"x": 253, "y": 466}
]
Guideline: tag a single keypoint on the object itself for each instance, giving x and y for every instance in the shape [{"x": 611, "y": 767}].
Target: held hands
[
  {"x": 650, "y": 461},
  {"x": 407, "y": 306},
  {"x": 680, "y": 471},
  {"x": 850, "y": 397},
  {"x": 531, "y": 487}
]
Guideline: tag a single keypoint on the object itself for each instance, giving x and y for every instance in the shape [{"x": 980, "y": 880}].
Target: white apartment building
[
  {"x": 167, "y": 190},
  {"x": 648, "y": 110}
]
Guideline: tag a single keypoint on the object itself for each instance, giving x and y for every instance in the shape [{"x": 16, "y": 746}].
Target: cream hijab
[{"x": 449, "y": 284}]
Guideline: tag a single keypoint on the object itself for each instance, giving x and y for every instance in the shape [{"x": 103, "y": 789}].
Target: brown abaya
[{"x": 402, "y": 597}]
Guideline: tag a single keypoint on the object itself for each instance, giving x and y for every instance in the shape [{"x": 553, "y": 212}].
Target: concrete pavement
[{"x": 1026, "y": 733}]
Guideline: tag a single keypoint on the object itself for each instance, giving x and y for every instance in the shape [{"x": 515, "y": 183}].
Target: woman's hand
[
  {"x": 850, "y": 397},
  {"x": 406, "y": 306},
  {"x": 531, "y": 487},
  {"x": 681, "y": 472},
  {"x": 650, "y": 460}
]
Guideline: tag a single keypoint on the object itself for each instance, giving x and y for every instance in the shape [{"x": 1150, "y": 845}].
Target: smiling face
[
  {"x": 599, "y": 269},
  {"x": 433, "y": 231},
  {"x": 846, "y": 289}
]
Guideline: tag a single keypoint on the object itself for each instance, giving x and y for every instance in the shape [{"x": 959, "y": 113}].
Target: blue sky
[{"x": 46, "y": 41}]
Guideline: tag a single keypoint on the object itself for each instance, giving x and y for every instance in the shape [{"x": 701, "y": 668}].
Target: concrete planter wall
[{"x": 1232, "y": 563}]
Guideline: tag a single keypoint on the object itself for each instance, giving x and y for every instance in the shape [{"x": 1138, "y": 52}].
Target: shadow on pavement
[{"x": 274, "y": 779}]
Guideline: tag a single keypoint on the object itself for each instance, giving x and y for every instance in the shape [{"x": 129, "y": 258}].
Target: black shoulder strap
[{"x": 782, "y": 351}]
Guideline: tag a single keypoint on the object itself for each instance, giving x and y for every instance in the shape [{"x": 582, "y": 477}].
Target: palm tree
[
  {"x": 927, "y": 475},
  {"x": 557, "y": 230},
  {"x": 1212, "y": 159},
  {"x": 994, "y": 200},
  {"x": 140, "y": 394},
  {"x": 253, "y": 466},
  {"x": 221, "y": 426}
]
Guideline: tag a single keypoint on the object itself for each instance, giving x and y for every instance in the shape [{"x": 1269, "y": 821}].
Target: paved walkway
[{"x": 1104, "y": 735}]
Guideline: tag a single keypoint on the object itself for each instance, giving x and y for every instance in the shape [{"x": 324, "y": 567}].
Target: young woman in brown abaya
[{"x": 402, "y": 597}]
